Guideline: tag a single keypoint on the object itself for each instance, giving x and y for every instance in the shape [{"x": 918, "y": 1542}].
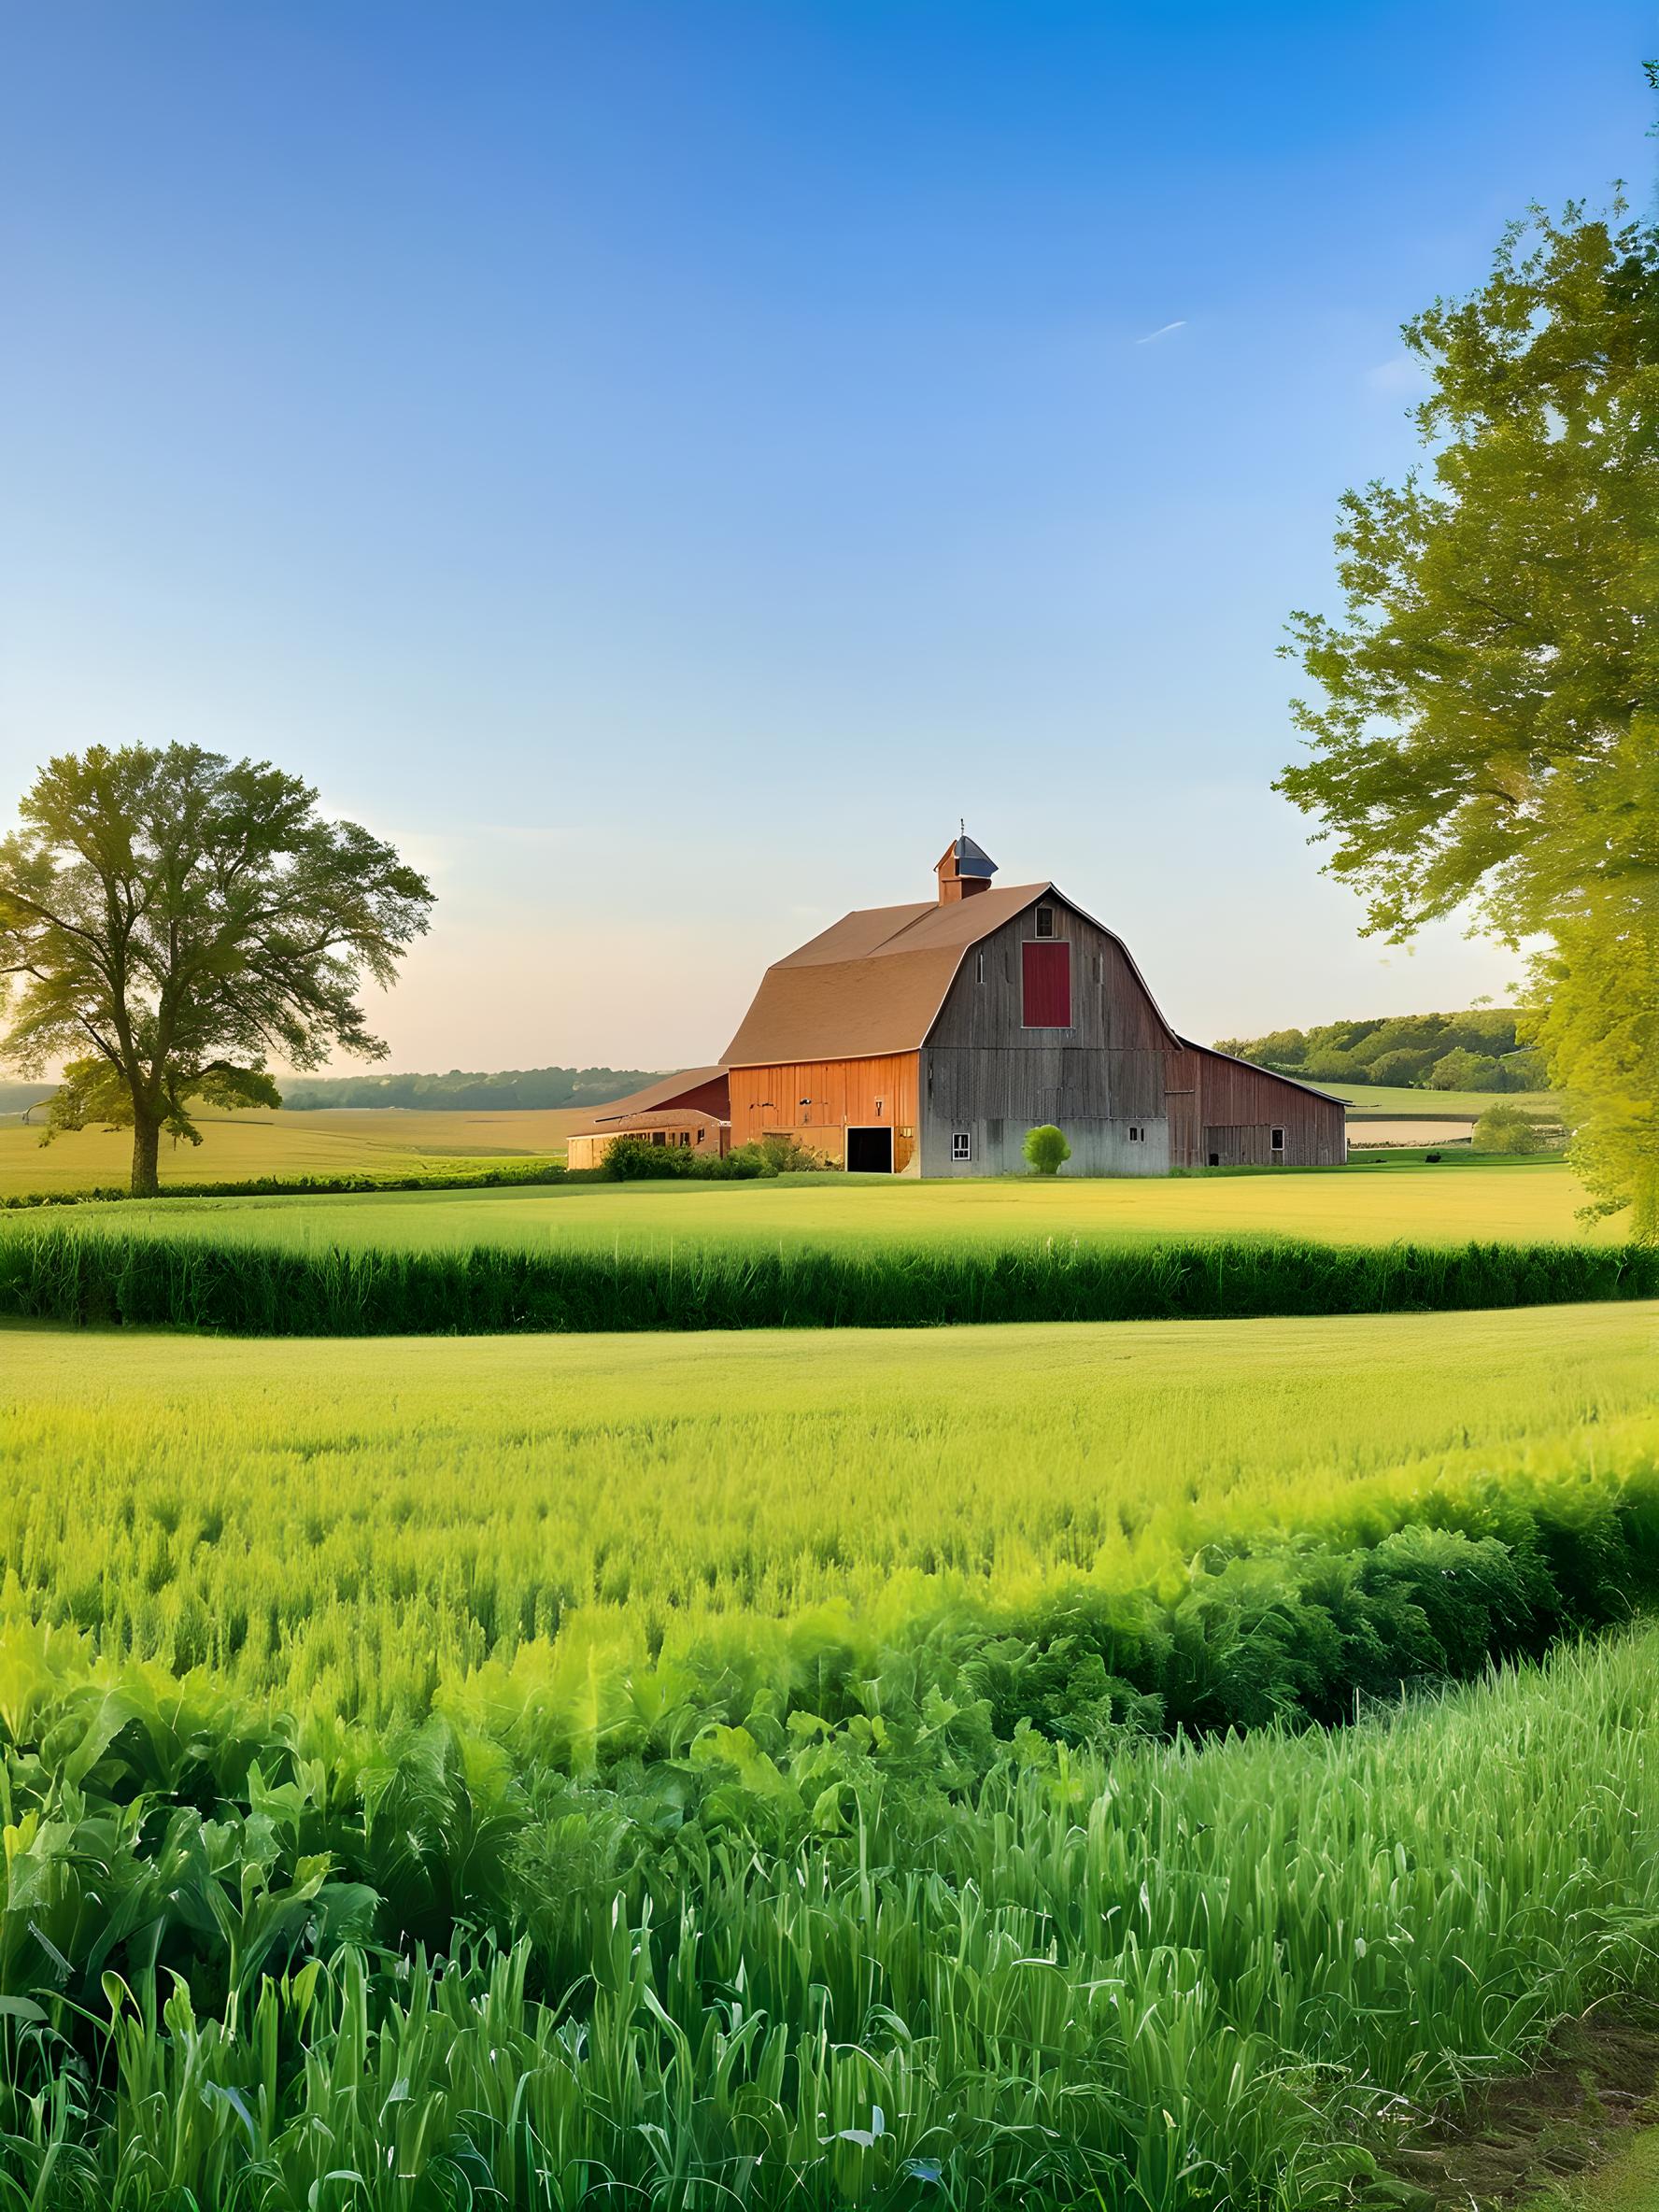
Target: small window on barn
[
  {"x": 982, "y": 964},
  {"x": 1045, "y": 921},
  {"x": 1278, "y": 1136},
  {"x": 1134, "y": 1133},
  {"x": 878, "y": 1108},
  {"x": 960, "y": 1149},
  {"x": 1215, "y": 1159}
]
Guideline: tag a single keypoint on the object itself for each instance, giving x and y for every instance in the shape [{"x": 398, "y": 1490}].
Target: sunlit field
[
  {"x": 353, "y": 1517},
  {"x": 1529, "y": 1202},
  {"x": 585, "y": 1683},
  {"x": 1377, "y": 1102},
  {"x": 237, "y": 1148}
]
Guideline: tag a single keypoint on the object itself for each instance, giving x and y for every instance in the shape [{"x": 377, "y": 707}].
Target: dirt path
[{"x": 1577, "y": 2135}]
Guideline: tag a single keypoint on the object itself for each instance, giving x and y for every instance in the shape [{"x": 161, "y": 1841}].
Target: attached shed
[
  {"x": 928, "y": 1038},
  {"x": 689, "y": 1109},
  {"x": 1225, "y": 1113}
]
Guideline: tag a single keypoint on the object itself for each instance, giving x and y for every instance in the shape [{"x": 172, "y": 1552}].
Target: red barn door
[{"x": 1046, "y": 975}]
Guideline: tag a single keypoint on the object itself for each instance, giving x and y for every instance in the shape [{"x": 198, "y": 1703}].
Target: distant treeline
[
  {"x": 16, "y": 1098},
  {"x": 511, "y": 1086},
  {"x": 1478, "y": 1051}
]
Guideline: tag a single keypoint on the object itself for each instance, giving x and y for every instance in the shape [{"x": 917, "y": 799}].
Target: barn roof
[
  {"x": 874, "y": 981},
  {"x": 667, "y": 1117},
  {"x": 669, "y": 1090}
]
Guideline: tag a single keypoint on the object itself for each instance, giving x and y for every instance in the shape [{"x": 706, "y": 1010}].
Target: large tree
[
  {"x": 1488, "y": 730},
  {"x": 169, "y": 920}
]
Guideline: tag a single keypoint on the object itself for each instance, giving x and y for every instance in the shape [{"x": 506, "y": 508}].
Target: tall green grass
[
  {"x": 348, "y": 1529},
  {"x": 894, "y": 1962},
  {"x": 58, "y": 1273},
  {"x": 596, "y": 1775}
]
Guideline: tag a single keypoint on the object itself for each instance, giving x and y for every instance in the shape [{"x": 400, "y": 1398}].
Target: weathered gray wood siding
[
  {"x": 987, "y": 1077},
  {"x": 1225, "y": 1113}
]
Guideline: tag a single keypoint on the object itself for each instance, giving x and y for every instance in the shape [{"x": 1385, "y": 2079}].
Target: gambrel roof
[{"x": 874, "y": 982}]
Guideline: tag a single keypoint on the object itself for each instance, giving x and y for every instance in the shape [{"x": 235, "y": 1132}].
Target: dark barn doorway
[{"x": 869, "y": 1151}]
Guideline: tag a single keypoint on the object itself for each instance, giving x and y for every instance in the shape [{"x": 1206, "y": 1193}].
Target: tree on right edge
[{"x": 1488, "y": 734}]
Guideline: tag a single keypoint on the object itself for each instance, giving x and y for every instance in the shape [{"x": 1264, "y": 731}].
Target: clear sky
[{"x": 661, "y": 464}]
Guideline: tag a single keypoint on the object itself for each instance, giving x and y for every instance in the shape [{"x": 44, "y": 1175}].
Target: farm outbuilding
[
  {"x": 688, "y": 1111},
  {"x": 928, "y": 1038}
]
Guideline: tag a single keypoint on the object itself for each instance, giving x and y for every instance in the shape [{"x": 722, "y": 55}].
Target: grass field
[
  {"x": 356, "y": 1519},
  {"x": 1523, "y": 1202},
  {"x": 561, "y": 1772},
  {"x": 886, "y": 1963},
  {"x": 1629, "y": 2183},
  {"x": 1376, "y": 1102},
  {"x": 240, "y": 1147}
]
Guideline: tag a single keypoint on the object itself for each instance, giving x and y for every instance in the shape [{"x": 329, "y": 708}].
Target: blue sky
[{"x": 663, "y": 463}]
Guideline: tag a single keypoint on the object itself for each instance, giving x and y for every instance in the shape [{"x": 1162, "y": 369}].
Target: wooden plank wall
[
  {"x": 838, "y": 1095},
  {"x": 1227, "y": 1109},
  {"x": 984, "y": 1072},
  {"x": 1032, "y": 1083},
  {"x": 1110, "y": 1008}
]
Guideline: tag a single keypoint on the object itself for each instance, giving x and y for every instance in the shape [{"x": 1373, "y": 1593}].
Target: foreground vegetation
[
  {"x": 357, "y": 1526},
  {"x": 899, "y": 1960},
  {"x": 558, "y": 1772}
]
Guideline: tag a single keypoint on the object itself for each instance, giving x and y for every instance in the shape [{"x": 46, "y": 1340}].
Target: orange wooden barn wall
[{"x": 840, "y": 1093}]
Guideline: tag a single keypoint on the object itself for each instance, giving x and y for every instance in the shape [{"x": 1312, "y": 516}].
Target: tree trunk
[{"x": 147, "y": 1153}]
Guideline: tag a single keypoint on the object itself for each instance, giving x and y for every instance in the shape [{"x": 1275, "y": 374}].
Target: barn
[{"x": 928, "y": 1038}]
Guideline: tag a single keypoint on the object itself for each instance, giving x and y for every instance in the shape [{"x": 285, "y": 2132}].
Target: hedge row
[
  {"x": 61, "y": 1272},
  {"x": 510, "y": 1173}
]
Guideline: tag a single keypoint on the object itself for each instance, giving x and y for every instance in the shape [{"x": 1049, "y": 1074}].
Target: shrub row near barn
[
  {"x": 57, "y": 1271},
  {"x": 507, "y": 1174},
  {"x": 627, "y": 1161}
]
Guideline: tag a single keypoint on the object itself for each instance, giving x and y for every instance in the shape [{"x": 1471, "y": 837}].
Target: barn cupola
[{"x": 964, "y": 869}]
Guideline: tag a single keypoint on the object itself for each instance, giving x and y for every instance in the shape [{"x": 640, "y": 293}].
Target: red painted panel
[{"x": 1046, "y": 975}]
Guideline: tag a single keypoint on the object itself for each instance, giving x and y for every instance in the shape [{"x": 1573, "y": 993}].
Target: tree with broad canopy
[
  {"x": 1487, "y": 734},
  {"x": 170, "y": 918}
]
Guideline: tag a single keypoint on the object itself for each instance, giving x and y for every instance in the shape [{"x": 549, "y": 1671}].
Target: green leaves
[
  {"x": 1497, "y": 638},
  {"x": 186, "y": 916}
]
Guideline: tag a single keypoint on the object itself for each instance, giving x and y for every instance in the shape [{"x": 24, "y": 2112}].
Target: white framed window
[
  {"x": 1045, "y": 921},
  {"x": 1278, "y": 1136},
  {"x": 1137, "y": 1135},
  {"x": 960, "y": 1148}
]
